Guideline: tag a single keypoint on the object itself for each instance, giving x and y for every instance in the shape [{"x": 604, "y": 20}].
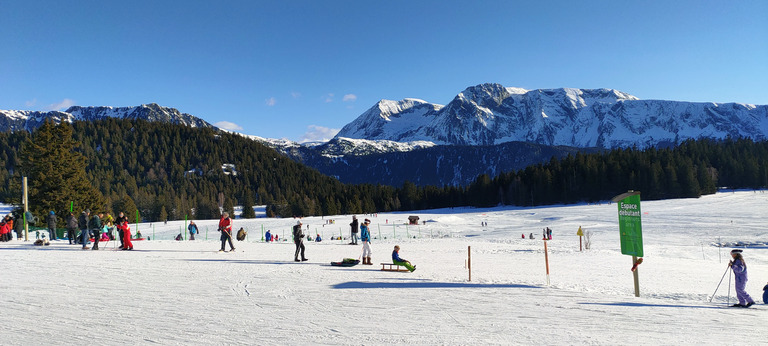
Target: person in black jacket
[
  {"x": 121, "y": 218},
  {"x": 354, "y": 227},
  {"x": 298, "y": 238},
  {"x": 18, "y": 226},
  {"x": 82, "y": 223},
  {"x": 95, "y": 225},
  {"x": 51, "y": 221},
  {"x": 71, "y": 228}
]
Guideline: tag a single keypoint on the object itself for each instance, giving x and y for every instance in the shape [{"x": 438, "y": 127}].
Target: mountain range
[
  {"x": 490, "y": 114},
  {"x": 29, "y": 120},
  {"x": 485, "y": 129}
]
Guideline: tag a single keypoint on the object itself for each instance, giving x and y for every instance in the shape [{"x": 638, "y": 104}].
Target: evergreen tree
[
  {"x": 56, "y": 174},
  {"x": 248, "y": 212}
]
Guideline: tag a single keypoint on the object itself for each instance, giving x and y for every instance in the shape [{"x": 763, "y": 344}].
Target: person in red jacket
[
  {"x": 6, "y": 225},
  {"x": 225, "y": 227},
  {"x": 126, "y": 232}
]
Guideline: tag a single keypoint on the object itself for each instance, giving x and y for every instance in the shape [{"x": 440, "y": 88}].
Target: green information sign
[{"x": 630, "y": 226}]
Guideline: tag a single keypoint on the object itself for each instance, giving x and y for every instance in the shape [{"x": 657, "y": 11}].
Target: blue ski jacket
[
  {"x": 396, "y": 257},
  {"x": 365, "y": 234}
]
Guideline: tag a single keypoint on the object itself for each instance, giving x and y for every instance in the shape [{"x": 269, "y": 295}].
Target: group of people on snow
[
  {"x": 99, "y": 228},
  {"x": 93, "y": 229}
]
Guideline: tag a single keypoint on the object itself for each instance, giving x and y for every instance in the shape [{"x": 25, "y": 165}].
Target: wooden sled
[{"x": 393, "y": 267}]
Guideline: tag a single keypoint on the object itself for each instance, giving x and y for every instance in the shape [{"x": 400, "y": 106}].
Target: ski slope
[{"x": 170, "y": 292}]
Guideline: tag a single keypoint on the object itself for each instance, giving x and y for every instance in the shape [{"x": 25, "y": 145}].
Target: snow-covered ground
[{"x": 171, "y": 292}]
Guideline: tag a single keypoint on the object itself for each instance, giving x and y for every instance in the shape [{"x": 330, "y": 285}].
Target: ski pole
[
  {"x": 718, "y": 284},
  {"x": 729, "y": 290}
]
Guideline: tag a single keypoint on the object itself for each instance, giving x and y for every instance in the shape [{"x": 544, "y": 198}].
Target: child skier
[{"x": 740, "y": 272}]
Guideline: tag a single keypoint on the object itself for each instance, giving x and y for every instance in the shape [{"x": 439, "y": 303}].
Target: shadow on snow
[
  {"x": 359, "y": 285},
  {"x": 655, "y": 305}
]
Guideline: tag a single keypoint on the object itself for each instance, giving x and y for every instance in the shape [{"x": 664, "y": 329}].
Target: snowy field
[{"x": 171, "y": 292}]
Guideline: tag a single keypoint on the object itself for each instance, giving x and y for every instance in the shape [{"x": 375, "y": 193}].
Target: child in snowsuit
[
  {"x": 740, "y": 273},
  {"x": 126, "y": 232},
  {"x": 399, "y": 261}
]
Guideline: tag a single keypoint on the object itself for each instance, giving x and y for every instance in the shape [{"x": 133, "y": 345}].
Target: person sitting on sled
[{"x": 401, "y": 262}]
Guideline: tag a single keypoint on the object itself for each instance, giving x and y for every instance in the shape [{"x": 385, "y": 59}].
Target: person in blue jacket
[
  {"x": 402, "y": 262},
  {"x": 365, "y": 237},
  {"x": 740, "y": 273},
  {"x": 765, "y": 294},
  {"x": 268, "y": 236}
]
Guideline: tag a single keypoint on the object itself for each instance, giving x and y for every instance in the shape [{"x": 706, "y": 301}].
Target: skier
[
  {"x": 399, "y": 261},
  {"x": 740, "y": 273},
  {"x": 298, "y": 238},
  {"x": 353, "y": 230},
  {"x": 365, "y": 236},
  {"x": 192, "y": 230},
  {"x": 268, "y": 236},
  {"x": 225, "y": 227},
  {"x": 109, "y": 226},
  {"x": 71, "y": 228},
  {"x": 51, "y": 221}
]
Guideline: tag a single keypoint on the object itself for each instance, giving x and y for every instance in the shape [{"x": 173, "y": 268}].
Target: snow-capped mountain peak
[
  {"x": 12, "y": 120},
  {"x": 490, "y": 114}
]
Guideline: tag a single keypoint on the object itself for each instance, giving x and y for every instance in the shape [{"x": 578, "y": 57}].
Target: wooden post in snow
[{"x": 469, "y": 261}]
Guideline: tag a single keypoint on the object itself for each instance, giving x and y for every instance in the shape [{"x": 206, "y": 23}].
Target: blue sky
[{"x": 303, "y": 69}]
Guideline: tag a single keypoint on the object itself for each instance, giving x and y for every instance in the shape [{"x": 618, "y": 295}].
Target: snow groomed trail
[{"x": 170, "y": 292}]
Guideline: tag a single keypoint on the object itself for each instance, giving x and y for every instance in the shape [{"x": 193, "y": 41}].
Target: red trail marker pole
[{"x": 546, "y": 259}]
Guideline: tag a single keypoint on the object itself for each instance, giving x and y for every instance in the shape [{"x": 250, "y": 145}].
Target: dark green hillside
[{"x": 167, "y": 171}]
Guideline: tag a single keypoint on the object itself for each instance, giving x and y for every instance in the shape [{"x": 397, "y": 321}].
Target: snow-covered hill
[
  {"x": 13, "y": 120},
  {"x": 490, "y": 114}
]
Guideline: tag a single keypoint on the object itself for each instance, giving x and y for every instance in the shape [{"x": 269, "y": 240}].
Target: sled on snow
[{"x": 347, "y": 262}]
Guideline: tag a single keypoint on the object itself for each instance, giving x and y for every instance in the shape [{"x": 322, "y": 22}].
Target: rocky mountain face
[
  {"x": 30, "y": 120},
  {"x": 485, "y": 129},
  {"x": 491, "y": 114}
]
